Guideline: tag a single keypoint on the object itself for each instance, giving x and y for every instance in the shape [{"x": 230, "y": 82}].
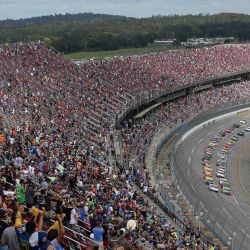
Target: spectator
[
  {"x": 29, "y": 194},
  {"x": 4, "y": 220},
  {"x": 55, "y": 235},
  {"x": 9, "y": 236},
  {"x": 98, "y": 232},
  {"x": 73, "y": 218},
  {"x": 37, "y": 237},
  {"x": 20, "y": 189},
  {"x": 67, "y": 208}
]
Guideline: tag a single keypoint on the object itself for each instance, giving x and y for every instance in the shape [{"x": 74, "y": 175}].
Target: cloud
[{"x": 136, "y": 8}]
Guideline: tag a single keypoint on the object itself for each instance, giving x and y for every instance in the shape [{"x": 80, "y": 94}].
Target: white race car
[
  {"x": 220, "y": 175},
  {"x": 243, "y": 122},
  {"x": 223, "y": 182},
  {"x": 221, "y": 170},
  {"x": 214, "y": 188}
]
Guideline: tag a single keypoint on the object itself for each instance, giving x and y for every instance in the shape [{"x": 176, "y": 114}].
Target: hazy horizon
[{"x": 14, "y": 9}]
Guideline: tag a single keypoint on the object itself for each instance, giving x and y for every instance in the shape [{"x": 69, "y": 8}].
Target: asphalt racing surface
[{"x": 228, "y": 215}]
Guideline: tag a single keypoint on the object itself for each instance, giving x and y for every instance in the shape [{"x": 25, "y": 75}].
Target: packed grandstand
[{"x": 57, "y": 126}]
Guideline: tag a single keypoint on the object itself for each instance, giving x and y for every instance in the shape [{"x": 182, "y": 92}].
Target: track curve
[{"x": 229, "y": 216}]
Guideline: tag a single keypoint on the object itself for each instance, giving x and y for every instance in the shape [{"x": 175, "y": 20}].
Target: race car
[
  {"x": 228, "y": 130},
  {"x": 215, "y": 139},
  {"x": 235, "y": 138},
  {"x": 243, "y": 122},
  {"x": 221, "y": 175},
  {"x": 219, "y": 136},
  {"x": 208, "y": 151},
  {"x": 232, "y": 128},
  {"x": 207, "y": 169},
  {"x": 241, "y": 133},
  {"x": 236, "y": 125},
  {"x": 205, "y": 162},
  {"x": 222, "y": 167},
  {"x": 213, "y": 188},
  {"x": 221, "y": 171},
  {"x": 223, "y": 182},
  {"x": 209, "y": 147},
  {"x": 221, "y": 155},
  {"x": 206, "y": 159},
  {"x": 247, "y": 129},
  {"x": 226, "y": 190},
  {"x": 220, "y": 162},
  {"x": 228, "y": 144},
  {"x": 208, "y": 174},
  {"x": 225, "y": 150},
  {"x": 213, "y": 144},
  {"x": 209, "y": 180},
  {"x": 222, "y": 133}
]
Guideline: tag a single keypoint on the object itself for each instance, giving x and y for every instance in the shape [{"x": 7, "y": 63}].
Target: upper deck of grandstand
[{"x": 91, "y": 95}]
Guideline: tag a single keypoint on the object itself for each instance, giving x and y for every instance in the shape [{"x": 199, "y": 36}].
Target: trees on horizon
[{"x": 88, "y": 32}]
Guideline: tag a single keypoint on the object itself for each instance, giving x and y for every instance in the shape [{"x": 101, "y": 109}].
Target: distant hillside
[
  {"x": 58, "y": 18},
  {"x": 89, "y": 32}
]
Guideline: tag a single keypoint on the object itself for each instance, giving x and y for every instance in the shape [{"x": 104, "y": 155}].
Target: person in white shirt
[
  {"x": 18, "y": 162},
  {"x": 73, "y": 218},
  {"x": 11, "y": 140},
  {"x": 31, "y": 170}
]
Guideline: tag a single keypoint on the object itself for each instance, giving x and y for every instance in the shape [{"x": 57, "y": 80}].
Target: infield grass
[{"x": 120, "y": 52}]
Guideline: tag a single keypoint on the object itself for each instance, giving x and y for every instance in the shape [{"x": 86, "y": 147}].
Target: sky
[{"x": 15, "y": 9}]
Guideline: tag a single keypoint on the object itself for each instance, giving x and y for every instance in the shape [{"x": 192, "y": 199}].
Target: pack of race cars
[{"x": 218, "y": 168}]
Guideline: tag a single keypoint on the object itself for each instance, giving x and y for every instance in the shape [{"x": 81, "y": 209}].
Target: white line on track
[
  {"x": 236, "y": 200},
  {"x": 200, "y": 141},
  {"x": 245, "y": 233},
  {"x": 220, "y": 227},
  {"x": 193, "y": 150},
  {"x": 227, "y": 213},
  {"x": 210, "y": 133},
  {"x": 215, "y": 195}
]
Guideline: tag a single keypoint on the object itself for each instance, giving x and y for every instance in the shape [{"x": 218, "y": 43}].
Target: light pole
[
  {"x": 231, "y": 240},
  {"x": 198, "y": 217}
]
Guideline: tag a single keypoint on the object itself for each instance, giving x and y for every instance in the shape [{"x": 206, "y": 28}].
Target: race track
[{"x": 228, "y": 215}]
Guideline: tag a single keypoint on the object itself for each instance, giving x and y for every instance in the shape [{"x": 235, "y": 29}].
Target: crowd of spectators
[
  {"x": 88, "y": 97},
  {"x": 57, "y": 117}
]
